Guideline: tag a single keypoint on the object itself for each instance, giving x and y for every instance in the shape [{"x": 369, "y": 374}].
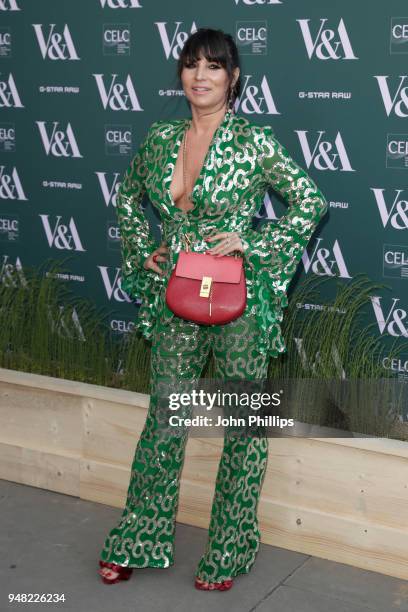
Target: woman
[{"x": 207, "y": 176}]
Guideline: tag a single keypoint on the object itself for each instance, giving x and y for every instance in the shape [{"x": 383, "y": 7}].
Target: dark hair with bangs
[{"x": 216, "y": 46}]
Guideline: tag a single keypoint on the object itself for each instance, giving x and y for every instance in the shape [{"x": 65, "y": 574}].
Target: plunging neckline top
[
  {"x": 175, "y": 153},
  {"x": 243, "y": 160}
]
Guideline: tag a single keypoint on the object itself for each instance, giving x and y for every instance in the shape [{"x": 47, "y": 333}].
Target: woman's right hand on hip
[{"x": 159, "y": 254}]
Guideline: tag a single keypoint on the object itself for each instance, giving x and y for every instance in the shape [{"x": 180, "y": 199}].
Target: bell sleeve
[
  {"x": 137, "y": 242},
  {"x": 275, "y": 250}
]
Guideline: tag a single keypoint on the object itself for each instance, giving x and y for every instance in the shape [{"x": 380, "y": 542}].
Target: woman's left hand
[{"x": 228, "y": 242}]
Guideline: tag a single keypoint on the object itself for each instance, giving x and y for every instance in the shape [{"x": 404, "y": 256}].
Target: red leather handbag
[{"x": 207, "y": 289}]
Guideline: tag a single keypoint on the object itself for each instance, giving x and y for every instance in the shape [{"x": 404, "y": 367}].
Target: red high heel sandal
[
  {"x": 225, "y": 585},
  {"x": 124, "y": 573}
]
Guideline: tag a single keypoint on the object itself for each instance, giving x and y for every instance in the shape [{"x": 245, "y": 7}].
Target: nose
[{"x": 200, "y": 71}]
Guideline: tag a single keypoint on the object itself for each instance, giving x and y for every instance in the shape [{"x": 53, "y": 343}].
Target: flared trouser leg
[
  {"x": 234, "y": 536},
  {"x": 144, "y": 536}
]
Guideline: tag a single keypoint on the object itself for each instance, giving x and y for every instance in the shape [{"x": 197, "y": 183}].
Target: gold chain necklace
[{"x": 189, "y": 195}]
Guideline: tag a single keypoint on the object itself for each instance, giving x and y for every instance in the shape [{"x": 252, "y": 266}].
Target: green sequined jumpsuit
[{"x": 243, "y": 161}]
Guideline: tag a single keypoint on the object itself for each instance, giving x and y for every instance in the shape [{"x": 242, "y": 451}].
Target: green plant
[
  {"x": 45, "y": 329},
  {"x": 332, "y": 368},
  {"x": 335, "y": 365}
]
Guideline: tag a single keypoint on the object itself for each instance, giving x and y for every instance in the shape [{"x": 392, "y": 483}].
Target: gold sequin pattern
[{"x": 243, "y": 161}]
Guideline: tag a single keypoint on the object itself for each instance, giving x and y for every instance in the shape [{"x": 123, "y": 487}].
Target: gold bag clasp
[{"x": 205, "y": 286}]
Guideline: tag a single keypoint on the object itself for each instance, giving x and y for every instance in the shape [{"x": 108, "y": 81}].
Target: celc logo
[
  {"x": 327, "y": 44},
  {"x": 62, "y": 236},
  {"x": 59, "y": 143},
  {"x": 108, "y": 187},
  {"x": 10, "y": 185},
  {"x": 116, "y": 39},
  {"x": 397, "y": 365},
  {"x": 398, "y": 100},
  {"x": 399, "y": 35},
  {"x": 7, "y": 138},
  {"x": 55, "y": 46},
  {"x": 174, "y": 43},
  {"x": 122, "y": 326},
  {"x": 397, "y": 213},
  {"x": 118, "y": 96},
  {"x": 9, "y": 5},
  {"x": 120, "y": 4},
  {"x": 118, "y": 139},
  {"x": 325, "y": 154},
  {"x": 8, "y": 225},
  {"x": 256, "y": 98},
  {"x": 252, "y": 2},
  {"x": 9, "y": 228},
  {"x": 113, "y": 288},
  {"x": 395, "y": 261},
  {"x": 9, "y": 96},
  {"x": 112, "y": 236},
  {"x": 397, "y": 151},
  {"x": 113, "y": 233},
  {"x": 251, "y": 37},
  {"x": 395, "y": 321},
  {"x": 5, "y": 42},
  {"x": 322, "y": 261}
]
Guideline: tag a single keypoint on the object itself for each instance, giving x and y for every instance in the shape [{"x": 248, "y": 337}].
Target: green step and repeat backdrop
[{"x": 81, "y": 81}]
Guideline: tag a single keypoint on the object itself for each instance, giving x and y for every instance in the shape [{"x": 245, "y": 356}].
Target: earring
[{"x": 230, "y": 104}]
